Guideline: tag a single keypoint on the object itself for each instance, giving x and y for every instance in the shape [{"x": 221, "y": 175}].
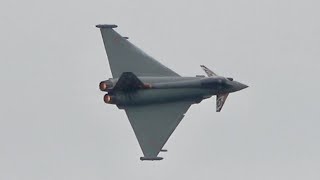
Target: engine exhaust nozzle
[
  {"x": 103, "y": 86},
  {"x": 108, "y": 99}
]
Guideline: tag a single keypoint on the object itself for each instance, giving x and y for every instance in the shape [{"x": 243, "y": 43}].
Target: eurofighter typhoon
[{"x": 154, "y": 97}]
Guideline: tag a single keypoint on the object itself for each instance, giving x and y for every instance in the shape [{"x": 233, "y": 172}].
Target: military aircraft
[{"x": 154, "y": 97}]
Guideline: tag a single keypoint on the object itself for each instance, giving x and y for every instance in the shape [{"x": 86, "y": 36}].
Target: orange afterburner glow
[
  {"x": 103, "y": 86},
  {"x": 107, "y": 99}
]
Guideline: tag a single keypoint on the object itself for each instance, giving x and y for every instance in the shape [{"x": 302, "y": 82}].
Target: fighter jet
[{"x": 154, "y": 97}]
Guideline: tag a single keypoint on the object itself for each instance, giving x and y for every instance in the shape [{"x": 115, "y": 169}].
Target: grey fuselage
[{"x": 171, "y": 89}]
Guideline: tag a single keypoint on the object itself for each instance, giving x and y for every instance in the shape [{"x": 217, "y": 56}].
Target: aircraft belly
[{"x": 151, "y": 96}]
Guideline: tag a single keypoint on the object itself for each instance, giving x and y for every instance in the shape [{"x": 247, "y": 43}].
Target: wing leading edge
[
  {"x": 154, "y": 124},
  {"x": 125, "y": 57}
]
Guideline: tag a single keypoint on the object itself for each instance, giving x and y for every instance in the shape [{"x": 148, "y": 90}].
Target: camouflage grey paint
[
  {"x": 154, "y": 97},
  {"x": 168, "y": 89}
]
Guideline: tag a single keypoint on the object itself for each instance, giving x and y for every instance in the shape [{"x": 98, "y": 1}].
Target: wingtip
[
  {"x": 151, "y": 159},
  {"x": 106, "y": 26}
]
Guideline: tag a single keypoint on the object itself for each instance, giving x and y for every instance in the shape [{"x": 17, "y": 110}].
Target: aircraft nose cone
[
  {"x": 237, "y": 86},
  {"x": 242, "y": 86}
]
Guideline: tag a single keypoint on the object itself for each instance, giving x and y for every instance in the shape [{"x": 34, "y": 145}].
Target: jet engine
[
  {"x": 105, "y": 85},
  {"x": 109, "y": 99}
]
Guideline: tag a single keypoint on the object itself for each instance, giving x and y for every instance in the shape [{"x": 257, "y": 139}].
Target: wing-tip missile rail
[
  {"x": 151, "y": 159},
  {"x": 106, "y": 26}
]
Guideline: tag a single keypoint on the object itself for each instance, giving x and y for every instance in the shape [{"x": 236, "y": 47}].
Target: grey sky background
[{"x": 55, "y": 125}]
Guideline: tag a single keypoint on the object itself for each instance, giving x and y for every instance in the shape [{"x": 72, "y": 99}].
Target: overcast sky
[{"x": 55, "y": 125}]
